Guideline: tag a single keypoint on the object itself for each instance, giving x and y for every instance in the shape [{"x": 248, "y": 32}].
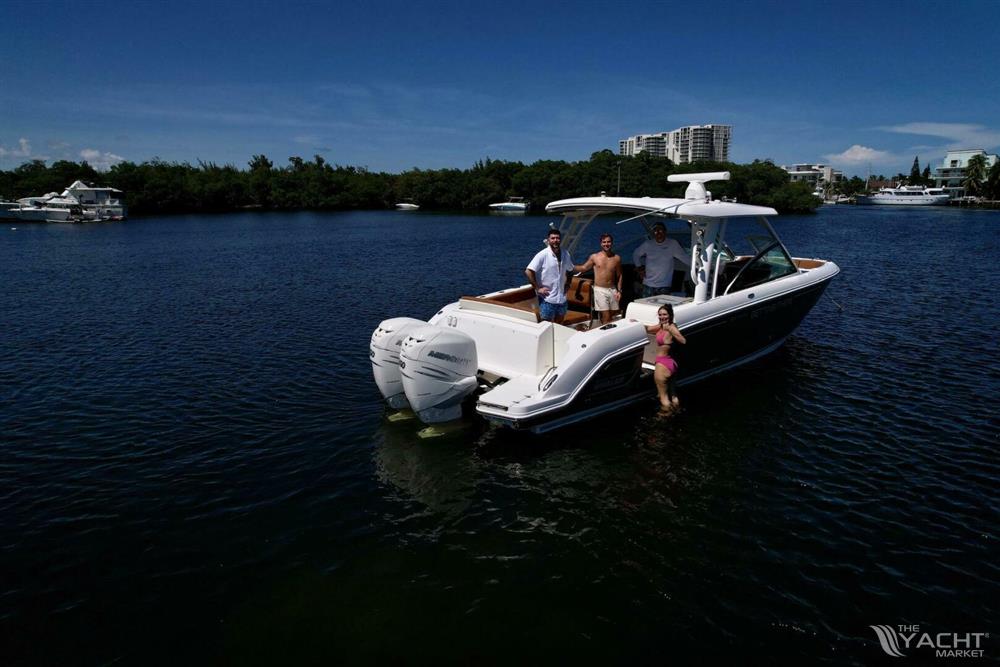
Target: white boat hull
[
  {"x": 723, "y": 334},
  {"x": 875, "y": 200},
  {"x": 905, "y": 195},
  {"x": 40, "y": 214}
]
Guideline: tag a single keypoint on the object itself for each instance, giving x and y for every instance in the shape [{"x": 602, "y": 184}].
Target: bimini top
[{"x": 695, "y": 204}]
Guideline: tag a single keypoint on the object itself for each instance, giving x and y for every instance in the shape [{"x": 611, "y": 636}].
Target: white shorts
[{"x": 604, "y": 298}]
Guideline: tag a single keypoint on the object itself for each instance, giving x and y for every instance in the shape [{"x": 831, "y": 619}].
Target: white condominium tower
[{"x": 685, "y": 144}]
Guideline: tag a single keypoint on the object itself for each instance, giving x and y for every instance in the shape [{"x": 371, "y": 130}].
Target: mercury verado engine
[
  {"x": 387, "y": 340},
  {"x": 438, "y": 369}
]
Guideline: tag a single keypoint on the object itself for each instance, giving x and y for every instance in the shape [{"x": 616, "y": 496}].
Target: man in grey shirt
[{"x": 654, "y": 260}]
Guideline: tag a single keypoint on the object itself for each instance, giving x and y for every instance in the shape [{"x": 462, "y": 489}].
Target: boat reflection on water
[{"x": 441, "y": 474}]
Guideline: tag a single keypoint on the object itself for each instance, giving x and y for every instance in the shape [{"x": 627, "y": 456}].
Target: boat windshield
[{"x": 751, "y": 255}]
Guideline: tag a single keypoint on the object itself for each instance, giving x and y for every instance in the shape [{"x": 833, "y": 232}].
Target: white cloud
[
  {"x": 961, "y": 135},
  {"x": 23, "y": 149},
  {"x": 100, "y": 161},
  {"x": 858, "y": 154}
]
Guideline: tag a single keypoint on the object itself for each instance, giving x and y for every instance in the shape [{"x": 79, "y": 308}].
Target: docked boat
[
  {"x": 407, "y": 206},
  {"x": 905, "y": 195},
  {"x": 512, "y": 205},
  {"x": 743, "y": 296},
  {"x": 100, "y": 203},
  {"x": 77, "y": 203},
  {"x": 50, "y": 207},
  {"x": 30, "y": 213}
]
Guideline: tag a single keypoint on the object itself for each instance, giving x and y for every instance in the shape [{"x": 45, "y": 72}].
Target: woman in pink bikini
[{"x": 667, "y": 334}]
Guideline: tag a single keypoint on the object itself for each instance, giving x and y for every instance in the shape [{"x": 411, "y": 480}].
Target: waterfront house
[
  {"x": 819, "y": 176},
  {"x": 951, "y": 174}
]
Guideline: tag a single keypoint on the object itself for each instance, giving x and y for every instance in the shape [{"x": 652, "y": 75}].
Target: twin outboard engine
[
  {"x": 439, "y": 370},
  {"x": 387, "y": 340},
  {"x": 426, "y": 368}
]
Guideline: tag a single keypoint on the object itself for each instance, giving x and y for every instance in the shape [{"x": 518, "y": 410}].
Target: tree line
[{"x": 157, "y": 187}]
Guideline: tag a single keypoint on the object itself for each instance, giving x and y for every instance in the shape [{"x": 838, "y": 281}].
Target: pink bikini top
[{"x": 661, "y": 336}]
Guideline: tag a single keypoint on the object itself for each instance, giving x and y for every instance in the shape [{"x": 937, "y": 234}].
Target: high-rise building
[{"x": 685, "y": 144}]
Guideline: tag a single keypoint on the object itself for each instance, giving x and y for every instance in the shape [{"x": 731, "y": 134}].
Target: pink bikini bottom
[{"x": 669, "y": 363}]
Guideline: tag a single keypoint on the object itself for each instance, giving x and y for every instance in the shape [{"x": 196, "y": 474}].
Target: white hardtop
[
  {"x": 681, "y": 208},
  {"x": 696, "y": 204}
]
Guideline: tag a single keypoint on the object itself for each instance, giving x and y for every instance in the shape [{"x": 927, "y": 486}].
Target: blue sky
[{"x": 396, "y": 85}]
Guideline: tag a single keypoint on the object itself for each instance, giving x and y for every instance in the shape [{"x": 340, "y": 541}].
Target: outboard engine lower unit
[
  {"x": 387, "y": 340},
  {"x": 439, "y": 368}
]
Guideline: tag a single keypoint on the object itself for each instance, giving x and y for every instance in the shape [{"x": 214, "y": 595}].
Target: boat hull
[
  {"x": 33, "y": 214},
  {"x": 875, "y": 200},
  {"x": 715, "y": 345}
]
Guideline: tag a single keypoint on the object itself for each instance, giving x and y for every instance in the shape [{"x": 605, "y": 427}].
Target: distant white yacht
[
  {"x": 406, "y": 206},
  {"x": 77, "y": 203},
  {"x": 906, "y": 195},
  {"x": 512, "y": 205},
  {"x": 47, "y": 208}
]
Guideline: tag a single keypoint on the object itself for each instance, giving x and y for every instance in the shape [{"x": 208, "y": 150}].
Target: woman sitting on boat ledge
[{"x": 667, "y": 333}]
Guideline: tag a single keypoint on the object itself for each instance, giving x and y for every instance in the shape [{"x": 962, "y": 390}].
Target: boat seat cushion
[
  {"x": 576, "y": 317},
  {"x": 580, "y": 294},
  {"x": 579, "y": 299},
  {"x": 523, "y": 300}
]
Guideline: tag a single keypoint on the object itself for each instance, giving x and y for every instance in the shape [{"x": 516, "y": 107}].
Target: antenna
[{"x": 696, "y": 188}]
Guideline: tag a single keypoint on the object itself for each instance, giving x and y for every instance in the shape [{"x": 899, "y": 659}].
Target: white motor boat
[
  {"x": 743, "y": 296},
  {"x": 77, "y": 203},
  {"x": 906, "y": 195},
  {"x": 48, "y": 208},
  {"x": 29, "y": 213},
  {"x": 406, "y": 206},
  {"x": 512, "y": 205}
]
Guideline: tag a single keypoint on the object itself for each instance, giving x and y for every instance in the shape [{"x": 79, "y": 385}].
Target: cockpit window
[{"x": 751, "y": 255}]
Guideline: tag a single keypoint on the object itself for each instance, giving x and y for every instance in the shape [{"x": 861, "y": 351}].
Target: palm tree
[
  {"x": 993, "y": 181},
  {"x": 975, "y": 174}
]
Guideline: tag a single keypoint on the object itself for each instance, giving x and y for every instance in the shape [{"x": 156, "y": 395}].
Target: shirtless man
[{"x": 607, "y": 265}]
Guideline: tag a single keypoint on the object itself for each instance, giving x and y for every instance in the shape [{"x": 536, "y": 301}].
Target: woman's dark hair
[{"x": 670, "y": 311}]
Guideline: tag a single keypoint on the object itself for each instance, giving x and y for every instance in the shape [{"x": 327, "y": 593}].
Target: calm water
[{"x": 196, "y": 466}]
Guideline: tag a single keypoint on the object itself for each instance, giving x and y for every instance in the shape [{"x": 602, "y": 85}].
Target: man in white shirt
[
  {"x": 550, "y": 272},
  {"x": 654, "y": 260}
]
